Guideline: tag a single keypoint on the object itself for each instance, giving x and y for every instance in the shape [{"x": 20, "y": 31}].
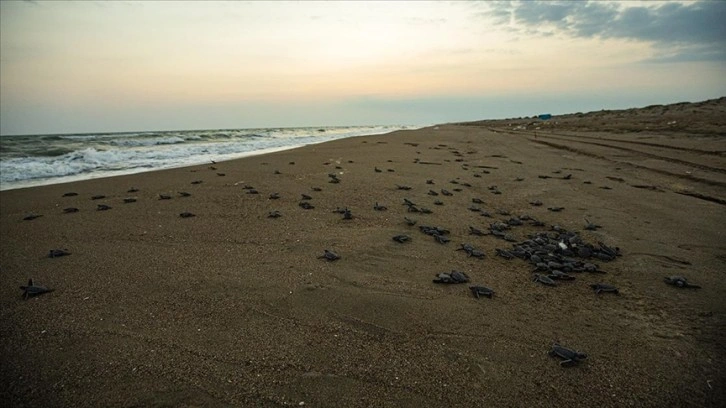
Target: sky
[{"x": 85, "y": 67}]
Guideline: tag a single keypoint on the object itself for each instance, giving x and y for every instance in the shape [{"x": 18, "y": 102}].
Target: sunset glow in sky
[{"x": 124, "y": 66}]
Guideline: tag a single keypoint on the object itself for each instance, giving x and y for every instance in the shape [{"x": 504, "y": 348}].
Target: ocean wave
[
  {"x": 156, "y": 141},
  {"x": 33, "y": 161}
]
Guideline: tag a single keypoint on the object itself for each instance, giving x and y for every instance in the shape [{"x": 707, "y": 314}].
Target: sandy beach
[{"x": 232, "y": 307}]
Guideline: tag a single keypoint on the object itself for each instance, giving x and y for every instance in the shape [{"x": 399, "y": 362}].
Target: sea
[{"x": 35, "y": 160}]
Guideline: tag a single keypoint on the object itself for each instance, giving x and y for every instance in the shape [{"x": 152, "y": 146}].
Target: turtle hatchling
[
  {"x": 479, "y": 291},
  {"x": 451, "y": 277},
  {"x": 401, "y": 238},
  {"x": 70, "y": 210},
  {"x": 34, "y": 290},
  {"x": 569, "y": 357},
  {"x": 187, "y": 215},
  {"x": 57, "y": 253},
  {"x": 379, "y": 207},
  {"x": 680, "y": 281},
  {"x": 329, "y": 256},
  {"x": 603, "y": 287},
  {"x": 545, "y": 280},
  {"x": 274, "y": 214}
]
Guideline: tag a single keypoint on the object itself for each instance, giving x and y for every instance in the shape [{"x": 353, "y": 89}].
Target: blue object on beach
[{"x": 545, "y": 116}]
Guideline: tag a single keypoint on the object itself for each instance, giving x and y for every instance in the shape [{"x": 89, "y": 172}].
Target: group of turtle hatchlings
[{"x": 548, "y": 254}]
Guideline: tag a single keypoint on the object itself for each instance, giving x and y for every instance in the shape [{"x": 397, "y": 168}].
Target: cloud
[{"x": 696, "y": 30}]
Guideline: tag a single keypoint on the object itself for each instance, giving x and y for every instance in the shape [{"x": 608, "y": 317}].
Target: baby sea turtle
[
  {"x": 569, "y": 357},
  {"x": 504, "y": 253},
  {"x": 184, "y": 194},
  {"x": 98, "y": 197},
  {"x": 329, "y": 256},
  {"x": 70, "y": 210},
  {"x": 559, "y": 275},
  {"x": 401, "y": 238},
  {"x": 409, "y": 221},
  {"x": 274, "y": 196},
  {"x": 446, "y": 192},
  {"x": 305, "y": 197},
  {"x": 679, "y": 281},
  {"x": 378, "y": 207},
  {"x": 221, "y": 174},
  {"x": 276, "y": 172},
  {"x": 438, "y": 202},
  {"x": 545, "y": 280},
  {"x": 187, "y": 215},
  {"x": 102, "y": 207},
  {"x": 252, "y": 191},
  {"x": 432, "y": 193},
  {"x": 306, "y": 205},
  {"x": 536, "y": 203},
  {"x": 400, "y": 187},
  {"x": 316, "y": 188},
  {"x": 197, "y": 182},
  {"x": 477, "y": 201},
  {"x": 441, "y": 239},
  {"x": 34, "y": 290},
  {"x": 555, "y": 209},
  {"x": 70, "y": 194},
  {"x": 471, "y": 251},
  {"x": 164, "y": 197},
  {"x": 274, "y": 214},
  {"x": 452, "y": 277},
  {"x": 479, "y": 291},
  {"x": 590, "y": 226},
  {"x": 57, "y": 253},
  {"x": 476, "y": 231},
  {"x": 347, "y": 215},
  {"x": 132, "y": 190},
  {"x": 603, "y": 287},
  {"x": 377, "y": 170},
  {"x": 129, "y": 200},
  {"x": 429, "y": 182},
  {"x": 31, "y": 217}
]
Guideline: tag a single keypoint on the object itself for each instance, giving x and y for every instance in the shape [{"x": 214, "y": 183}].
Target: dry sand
[{"x": 232, "y": 308}]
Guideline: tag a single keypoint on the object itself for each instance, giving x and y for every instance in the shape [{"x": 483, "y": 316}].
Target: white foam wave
[{"x": 122, "y": 154}]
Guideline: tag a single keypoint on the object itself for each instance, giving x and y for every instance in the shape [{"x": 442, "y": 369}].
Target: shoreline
[
  {"x": 142, "y": 169},
  {"x": 231, "y": 307}
]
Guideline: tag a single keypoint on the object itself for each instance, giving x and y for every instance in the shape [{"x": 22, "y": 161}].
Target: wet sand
[{"x": 233, "y": 308}]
